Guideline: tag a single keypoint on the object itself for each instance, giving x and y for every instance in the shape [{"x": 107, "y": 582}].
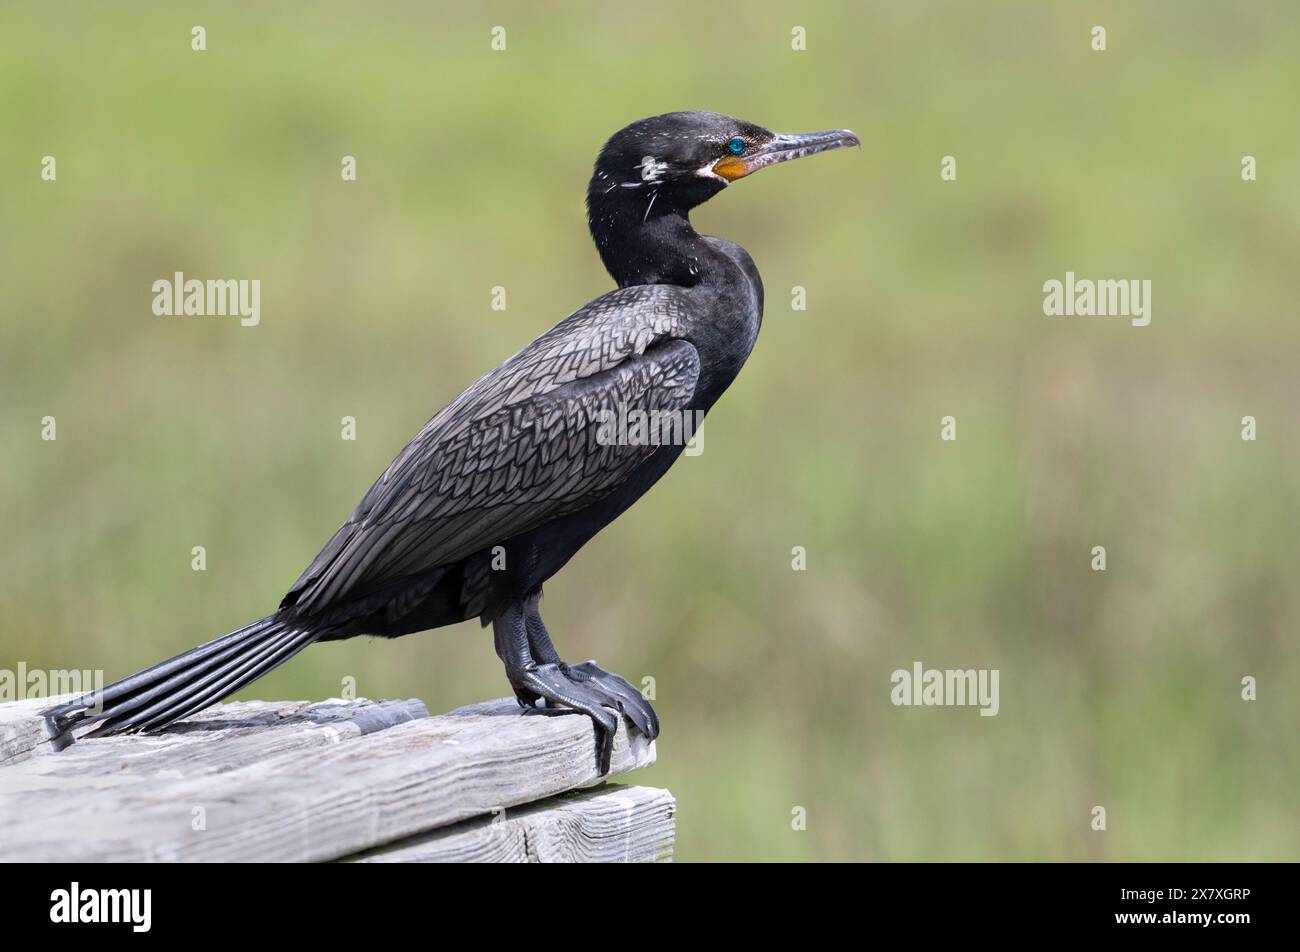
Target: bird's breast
[{"x": 726, "y": 318}]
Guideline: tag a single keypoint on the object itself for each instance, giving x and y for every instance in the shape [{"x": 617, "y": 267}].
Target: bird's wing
[{"x": 520, "y": 447}]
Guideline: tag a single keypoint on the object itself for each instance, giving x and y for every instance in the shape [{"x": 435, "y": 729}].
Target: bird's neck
[{"x": 640, "y": 243}]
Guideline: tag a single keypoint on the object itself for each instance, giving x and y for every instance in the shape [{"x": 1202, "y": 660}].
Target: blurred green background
[{"x": 924, "y": 297}]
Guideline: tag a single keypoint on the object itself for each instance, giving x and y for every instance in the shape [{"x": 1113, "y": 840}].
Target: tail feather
[
  {"x": 152, "y": 674},
  {"x": 185, "y": 684},
  {"x": 182, "y": 709},
  {"x": 210, "y": 688},
  {"x": 122, "y": 697},
  {"x": 282, "y": 654}
]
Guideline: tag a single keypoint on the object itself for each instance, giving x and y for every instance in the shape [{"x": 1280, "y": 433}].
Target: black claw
[
  {"x": 525, "y": 698},
  {"x": 606, "y": 752},
  {"x": 625, "y": 696},
  {"x": 589, "y": 690},
  {"x": 551, "y": 682},
  {"x": 524, "y": 644}
]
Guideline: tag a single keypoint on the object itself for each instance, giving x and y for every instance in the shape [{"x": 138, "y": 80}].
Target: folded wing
[{"x": 522, "y": 446}]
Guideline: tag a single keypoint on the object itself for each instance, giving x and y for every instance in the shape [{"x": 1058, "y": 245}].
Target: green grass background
[{"x": 924, "y": 299}]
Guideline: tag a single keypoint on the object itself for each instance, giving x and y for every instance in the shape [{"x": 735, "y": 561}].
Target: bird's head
[
  {"x": 682, "y": 159},
  {"x": 652, "y": 173}
]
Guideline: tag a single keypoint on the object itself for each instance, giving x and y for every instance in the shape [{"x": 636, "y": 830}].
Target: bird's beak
[{"x": 782, "y": 148}]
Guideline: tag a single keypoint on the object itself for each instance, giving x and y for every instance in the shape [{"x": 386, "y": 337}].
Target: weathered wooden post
[{"x": 358, "y": 781}]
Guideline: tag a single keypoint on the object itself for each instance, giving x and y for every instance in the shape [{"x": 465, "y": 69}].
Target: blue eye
[{"x": 736, "y": 146}]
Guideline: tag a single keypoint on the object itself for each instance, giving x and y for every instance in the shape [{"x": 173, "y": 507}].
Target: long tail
[{"x": 189, "y": 682}]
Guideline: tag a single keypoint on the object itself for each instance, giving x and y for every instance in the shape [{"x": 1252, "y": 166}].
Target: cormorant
[{"x": 515, "y": 467}]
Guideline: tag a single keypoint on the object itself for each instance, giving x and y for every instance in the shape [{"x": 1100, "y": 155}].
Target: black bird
[{"x": 500, "y": 489}]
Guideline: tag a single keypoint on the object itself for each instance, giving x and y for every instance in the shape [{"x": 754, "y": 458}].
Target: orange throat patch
[{"x": 731, "y": 167}]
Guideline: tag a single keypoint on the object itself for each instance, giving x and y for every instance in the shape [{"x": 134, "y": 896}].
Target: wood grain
[
  {"x": 609, "y": 824},
  {"x": 286, "y": 781}
]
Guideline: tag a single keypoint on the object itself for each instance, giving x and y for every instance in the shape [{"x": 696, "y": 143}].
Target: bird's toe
[
  {"x": 619, "y": 693},
  {"x": 552, "y": 682}
]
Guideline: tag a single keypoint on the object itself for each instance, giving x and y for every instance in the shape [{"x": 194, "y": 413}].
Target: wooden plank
[
  {"x": 262, "y": 781},
  {"x": 22, "y": 731},
  {"x": 612, "y": 823},
  {"x": 184, "y": 750}
]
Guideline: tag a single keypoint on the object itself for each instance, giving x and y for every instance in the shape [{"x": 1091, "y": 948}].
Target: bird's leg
[
  {"x": 510, "y": 638},
  {"x": 616, "y": 691},
  {"x": 539, "y": 639},
  {"x": 537, "y": 672},
  {"x": 547, "y": 679}
]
